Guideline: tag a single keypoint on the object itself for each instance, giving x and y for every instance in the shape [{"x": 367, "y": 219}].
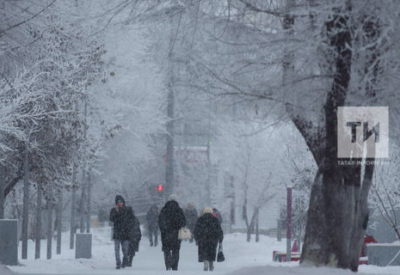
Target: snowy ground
[{"x": 242, "y": 258}]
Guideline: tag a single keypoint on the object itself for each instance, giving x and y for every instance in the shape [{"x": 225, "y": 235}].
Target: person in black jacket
[
  {"x": 208, "y": 233},
  {"x": 191, "y": 218},
  {"x": 135, "y": 235},
  {"x": 170, "y": 220},
  {"x": 152, "y": 226},
  {"x": 120, "y": 217}
]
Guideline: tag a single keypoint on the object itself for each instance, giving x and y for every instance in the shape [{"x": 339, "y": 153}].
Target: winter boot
[
  {"x": 206, "y": 265},
  {"x": 118, "y": 266},
  {"x": 211, "y": 266},
  {"x": 129, "y": 264}
]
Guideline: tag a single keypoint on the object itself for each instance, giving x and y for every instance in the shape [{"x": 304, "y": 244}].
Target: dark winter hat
[{"x": 119, "y": 198}]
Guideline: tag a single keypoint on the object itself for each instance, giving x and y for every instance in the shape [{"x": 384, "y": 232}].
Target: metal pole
[
  {"x": 289, "y": 225},
  {"x": 169, "y": 169}
]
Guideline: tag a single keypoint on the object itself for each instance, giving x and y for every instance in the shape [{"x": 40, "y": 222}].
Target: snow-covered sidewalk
[{"x": 242, "y": 258}]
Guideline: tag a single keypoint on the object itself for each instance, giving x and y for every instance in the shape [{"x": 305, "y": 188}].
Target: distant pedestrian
[
  {"x": 152, "y": 224},
  {"x": 120, "y": 217},
  {"x": 191, "y": 218},
  {"x": 208, "y": 233},
  {"x": 170, "y": 220},
  {"x": 135, "y": 235}
]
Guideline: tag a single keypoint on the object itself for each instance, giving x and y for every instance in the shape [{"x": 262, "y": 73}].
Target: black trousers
[
  {"x": 171, "y": 258},
  {"x": 153, "y": 234},
  {"x": 131, "y": 254}
]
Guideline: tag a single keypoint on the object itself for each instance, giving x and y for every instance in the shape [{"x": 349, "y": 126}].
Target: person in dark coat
[
  {"x": 191, "y": 218},
  {"x": 170, "y": 220},
  {"x": 135, "y": 235},
  {"x": 152, "y": 225},
  {"x": 120, "y": 217},
  {"x": 208, "y": 233}
]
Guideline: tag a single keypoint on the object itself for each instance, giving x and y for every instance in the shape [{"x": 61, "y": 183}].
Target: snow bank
[
  {"x": 5, "y": 271},
  {"x": 297, "y": 270},
  {"x": 242, "y": 258}
]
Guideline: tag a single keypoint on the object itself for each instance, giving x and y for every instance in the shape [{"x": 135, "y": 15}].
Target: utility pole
[
  {"x": 169, "y": 169},
  {"x": 170, "y": 162}
]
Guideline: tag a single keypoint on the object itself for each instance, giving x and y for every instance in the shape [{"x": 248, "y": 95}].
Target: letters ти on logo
[{"x": 363, "y": 132}]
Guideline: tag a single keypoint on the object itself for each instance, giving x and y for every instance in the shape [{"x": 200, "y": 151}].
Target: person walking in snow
[
  {"x": 121, "y": 219},
  {"x": 191, "y": 218},
  {"x": 135, "y": 235},
  {"x": 208, "y": 233},
  {"x": 152, "y": 224},
  {"x": 170, "y": 221}
]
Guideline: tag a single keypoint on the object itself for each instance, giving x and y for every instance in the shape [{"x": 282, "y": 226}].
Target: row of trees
[
  {"x": 289, "y": 61},
  {"x": 49, "y": 66},
  {"x": 73, "y": 106},
  {"x": 309, "y": 57}
]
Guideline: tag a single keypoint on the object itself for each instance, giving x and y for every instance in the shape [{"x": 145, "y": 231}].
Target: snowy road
[{"x": 242, "y": 259}]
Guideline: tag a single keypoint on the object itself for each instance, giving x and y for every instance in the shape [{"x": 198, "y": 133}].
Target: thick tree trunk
[
  {"x": 38, "y": 225},
  {"x": 338, "y": 212}
]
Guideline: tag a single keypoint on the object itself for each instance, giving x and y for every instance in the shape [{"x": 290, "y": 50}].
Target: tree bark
[
  {"x": 25, "y": 212},
  {"x": 82, "y": 204},
  {"x": 338, "y": 213},
  {"x": 289, "y": 224},
  {"x": 89, "y": 200},
  {"x": 257, "y": 226},
  {"x": 49, "y": 221},
  {"x": 38, "y": 225},
  {"x": 73, "y": 202},
  {"x": 2, "y": 187},
  {"x": 59, "y": 219}
]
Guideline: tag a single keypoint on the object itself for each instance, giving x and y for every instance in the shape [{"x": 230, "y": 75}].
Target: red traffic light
[{"x": 160, "y": 188}]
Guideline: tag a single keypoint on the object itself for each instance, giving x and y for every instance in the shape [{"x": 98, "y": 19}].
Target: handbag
[
  {"x": 220, "y": 255},
  {"x": 184, "y": 234}
]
